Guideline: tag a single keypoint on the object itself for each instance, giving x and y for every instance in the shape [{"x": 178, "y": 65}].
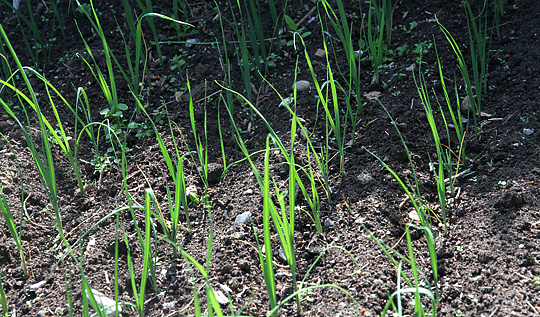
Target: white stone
[
  {"x": 302, "y": 85},
  {"x": 104, "y": 303}
]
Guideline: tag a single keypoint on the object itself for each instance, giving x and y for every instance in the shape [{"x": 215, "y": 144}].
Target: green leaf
[{"x": 290, "y": 23}]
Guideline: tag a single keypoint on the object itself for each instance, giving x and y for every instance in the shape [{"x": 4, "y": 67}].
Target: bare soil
[{"x": 488, "y": 260}]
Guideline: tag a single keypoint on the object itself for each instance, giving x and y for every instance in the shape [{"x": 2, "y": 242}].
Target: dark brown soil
[{"x": 488, "y": 260}]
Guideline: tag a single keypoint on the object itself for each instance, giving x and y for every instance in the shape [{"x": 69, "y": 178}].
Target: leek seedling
[
  {"x": 148, "y": 11},
  {"x": 108, "y": 87},
  {"x": 415, "y": 289},
  {"x": 44, "y": 165},
  {"x": 499, "y": 12},
  {"x": 243, "y": 56},
  {"x": 443, "y": 159},
  {"x": 312, "y": 202},
  {"x": 330, "y": 86},
  {"x": 180, "y": 4},
  {"x": 58, "y": 134},
  {"x": 342, "y": 29},
  {"x": 384, "y": 11},
  {"x": 479, "y": 46},
  {"x": 202, "y": 149},
  {"x": 461, "y": 131},
  {"x": 147, "y": 257},
  {"x": 8, "y": 216},
  {"x": 464, "y": 72},
  {"x": 178, "y": 177},
  {"x": 35, "y": 46},
  {"x": 375, "y": 40},
  {"x": 266, "y": 260}
]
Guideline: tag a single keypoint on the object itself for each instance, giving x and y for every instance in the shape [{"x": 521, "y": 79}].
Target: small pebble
[
  {"x": 364, "y": 178},
  {"x": 302, "y": 85},
  {"x": 221, "y": 298},
  {"x": 527, "y": 131},
  {"x": 286, "y": 102},
  {"x": 169, "y": 305},
  {"x": 248, "y": 191},
  {"x": 36, "y": 286},
  {"x": 328, "y": 223},
  {"x": 105, "y": 303},
  {"x": 282, "y": 254},
  {"x": 466, "y": 104},
  {"x": 303, "y": 135},
  {"x": 189, "y": 43},
  {"x": 243, "y": 218}
]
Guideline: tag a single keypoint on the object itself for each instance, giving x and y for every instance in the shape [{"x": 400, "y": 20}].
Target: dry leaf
[
  {"x": 220, "y": 297},
  {"x": 320, "y": 53},
  {"x": 178, "y": 95},
  {"x": 372, "y": 95}
]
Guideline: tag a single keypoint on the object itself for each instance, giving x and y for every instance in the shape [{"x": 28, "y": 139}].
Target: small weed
[
  {"x": 402, "y": 50},
  {"x": 421, "y": 49},
  {"x": 412, "y": 25},
  {"x": 103, "y": 163},
  {"x": 180, "y": 59}
]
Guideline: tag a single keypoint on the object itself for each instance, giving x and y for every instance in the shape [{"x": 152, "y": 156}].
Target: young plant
[
  {"x": 444, "y": 158},
  {"x": 44, "y": 162},
  {"x": 36, "y": 46},
  {"x": 343, "y": 31},
  {"x": 3, "y": 300},
  {"x": 416, "y": 289},
  {"x": 328, "y": 96},
  {"x": 313, "y": 201},
  {"x": 465, "y": 74},
  {"x": 479, "y": 43},
  {"x": 179, "y": 201},
  {"x": 147, "y": 257},
  {"x": 8, "y": 216},
  {"x": 201, "y": 149},
  {"x": 266, "y": 261},
  {"x": 457, "y": 122},
  {"x": 376, "y": 48}
]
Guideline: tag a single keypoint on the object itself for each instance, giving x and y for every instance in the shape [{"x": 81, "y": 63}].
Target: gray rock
[
  {"x": 104, "y": 303},
  {"x": 328, "y": 223},
  {"x": 286, "y": 102},
  {"x": 466, "y": 105},
  {"x": 365, "y": 178},
  {"x": 36, "y": 286},
  {"x": 302, "y": 85},
  {"x": 190, "y": 42},
  {"x": 243, "y": 218},
  {"x": 282, "y": 255},
  {"x": 302, "y": 135},
  {"x": 527, "y": 131},
  {"x": 169, "y": 305}
]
